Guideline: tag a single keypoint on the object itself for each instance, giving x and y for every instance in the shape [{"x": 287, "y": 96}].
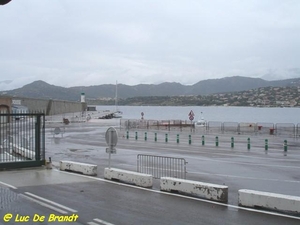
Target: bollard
[
  {"x": 266, "y": 144},
  {"x": 217, "y": 141},
  {"x": 145, "y": 136},
  {"x": 49, "y": 163},
  {"x": 285, "y": 145},
  {"x": 166, "y": 139},
  {"x": 127, "y": 135},
  {"x": 232, "y": 142},
  {"x": 248, "y": 145},
  {"x": 136, "y": 135},
  {"x": 155, "y": 137},
  {"x": 177, "y": 138},
  {"x": 190, "y": 139},
  {"x": 203, "y": 140}
]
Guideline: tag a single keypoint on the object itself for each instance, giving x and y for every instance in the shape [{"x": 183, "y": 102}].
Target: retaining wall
[{"x": 51, "y": 107}]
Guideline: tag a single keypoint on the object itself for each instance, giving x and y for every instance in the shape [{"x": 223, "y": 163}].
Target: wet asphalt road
[{"x": 273, "y": 171}]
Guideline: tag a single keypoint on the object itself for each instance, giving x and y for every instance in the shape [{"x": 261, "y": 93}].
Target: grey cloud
[{"x": 68, "y": 42}]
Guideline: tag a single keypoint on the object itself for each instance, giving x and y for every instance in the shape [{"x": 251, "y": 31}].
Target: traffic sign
[
  {"x": 111, "y": 138},
  {"x": 56, "y": 130},
  {"x": 191, "y": 113},
  {"x": 142, "y": 114}
]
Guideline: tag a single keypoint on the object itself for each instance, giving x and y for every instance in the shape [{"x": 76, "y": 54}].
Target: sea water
[{"x": 210, "y": 113}]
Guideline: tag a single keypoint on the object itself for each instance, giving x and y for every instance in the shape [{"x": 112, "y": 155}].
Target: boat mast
[{"x": 116, "y": 97}]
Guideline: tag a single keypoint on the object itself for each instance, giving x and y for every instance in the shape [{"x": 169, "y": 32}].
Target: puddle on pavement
[{"x": 78, "y": 150}]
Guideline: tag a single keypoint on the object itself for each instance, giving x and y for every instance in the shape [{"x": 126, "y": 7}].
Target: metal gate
[
  {"x": 161, "y": 166},
  {"x": 22, "y": 140}
]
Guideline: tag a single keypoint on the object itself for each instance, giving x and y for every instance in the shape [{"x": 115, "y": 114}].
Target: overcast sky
[{"x": 91, "y": 42}]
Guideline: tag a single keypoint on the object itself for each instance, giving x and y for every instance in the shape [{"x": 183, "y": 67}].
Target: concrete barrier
[
  {"x": 272, "y": 201},
  {"x": 138, "y": 179},
  {"x": 27, "y": 153},
  {"x": 209, "y": 191},
  {"x": 84, "y": 168}
]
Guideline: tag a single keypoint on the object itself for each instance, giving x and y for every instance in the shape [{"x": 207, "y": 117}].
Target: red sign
[
  {"x": 191, "y": 117},
  {"x": 191, "y": 113}
]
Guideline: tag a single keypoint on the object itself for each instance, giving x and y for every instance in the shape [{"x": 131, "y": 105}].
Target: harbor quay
[{"x": 200, "y": 159}]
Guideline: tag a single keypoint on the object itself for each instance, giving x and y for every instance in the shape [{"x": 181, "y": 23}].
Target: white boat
[
  {"x": 201, "y": 122},
  {"x": 117, "y": 114}
]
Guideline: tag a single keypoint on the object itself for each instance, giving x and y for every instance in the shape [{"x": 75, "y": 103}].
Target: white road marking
[
  {"x": 51, "y": 202},
  {"x": 92, "y": 223},
  {"x": 103, "y": 222},
  {"x": 44, "y": 204},
  {"x": 183, "y": 196},
  {"x": 7, "y": 185}
]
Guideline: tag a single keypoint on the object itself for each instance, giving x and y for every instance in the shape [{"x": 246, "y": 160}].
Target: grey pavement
[
  {"x": 113, "y": 203},
  {"x": 20, "y": 204}
]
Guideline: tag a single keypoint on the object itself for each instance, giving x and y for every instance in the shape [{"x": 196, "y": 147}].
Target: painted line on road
[
  {"x": 250, "y": 178},
  {"x": 8, "y": 185},
  {"x": 183, "y": 196},
  {"x": 92, "y": 223},
  {"x": 44, "y": 204},
  {"x": 103, "y": 222},
  {"x": 51, "y": 202}
]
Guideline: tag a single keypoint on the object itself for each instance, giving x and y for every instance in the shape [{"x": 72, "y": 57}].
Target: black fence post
[{"x": 38, "y": 138}]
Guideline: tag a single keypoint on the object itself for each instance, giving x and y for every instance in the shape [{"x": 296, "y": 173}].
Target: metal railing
[
  {"x": 283, "y": 129},
  {"x": 161, "y": 166},
  {"x": 22, "y": 140}
]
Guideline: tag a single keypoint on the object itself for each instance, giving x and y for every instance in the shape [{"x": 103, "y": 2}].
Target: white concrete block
[
  {"x": 277, "y": 202},
  {"x": 23, "y": 151},
  {"x": 199, "y": 189},
  {"x": 139, "y": 179},
  {"x": 84, "y": 168}
]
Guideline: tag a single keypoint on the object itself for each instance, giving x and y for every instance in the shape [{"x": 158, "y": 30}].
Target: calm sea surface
[{"x": 211, "y": 113}]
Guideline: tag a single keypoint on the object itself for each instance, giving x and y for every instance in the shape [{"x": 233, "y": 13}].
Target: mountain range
[{"x": 41, "y": 89}]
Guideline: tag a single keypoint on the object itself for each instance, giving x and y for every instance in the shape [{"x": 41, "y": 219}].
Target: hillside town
[{"x": 261, "y": 97}]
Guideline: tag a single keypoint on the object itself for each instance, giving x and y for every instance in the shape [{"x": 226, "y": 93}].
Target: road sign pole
[{"x": 109, "y": 146}]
